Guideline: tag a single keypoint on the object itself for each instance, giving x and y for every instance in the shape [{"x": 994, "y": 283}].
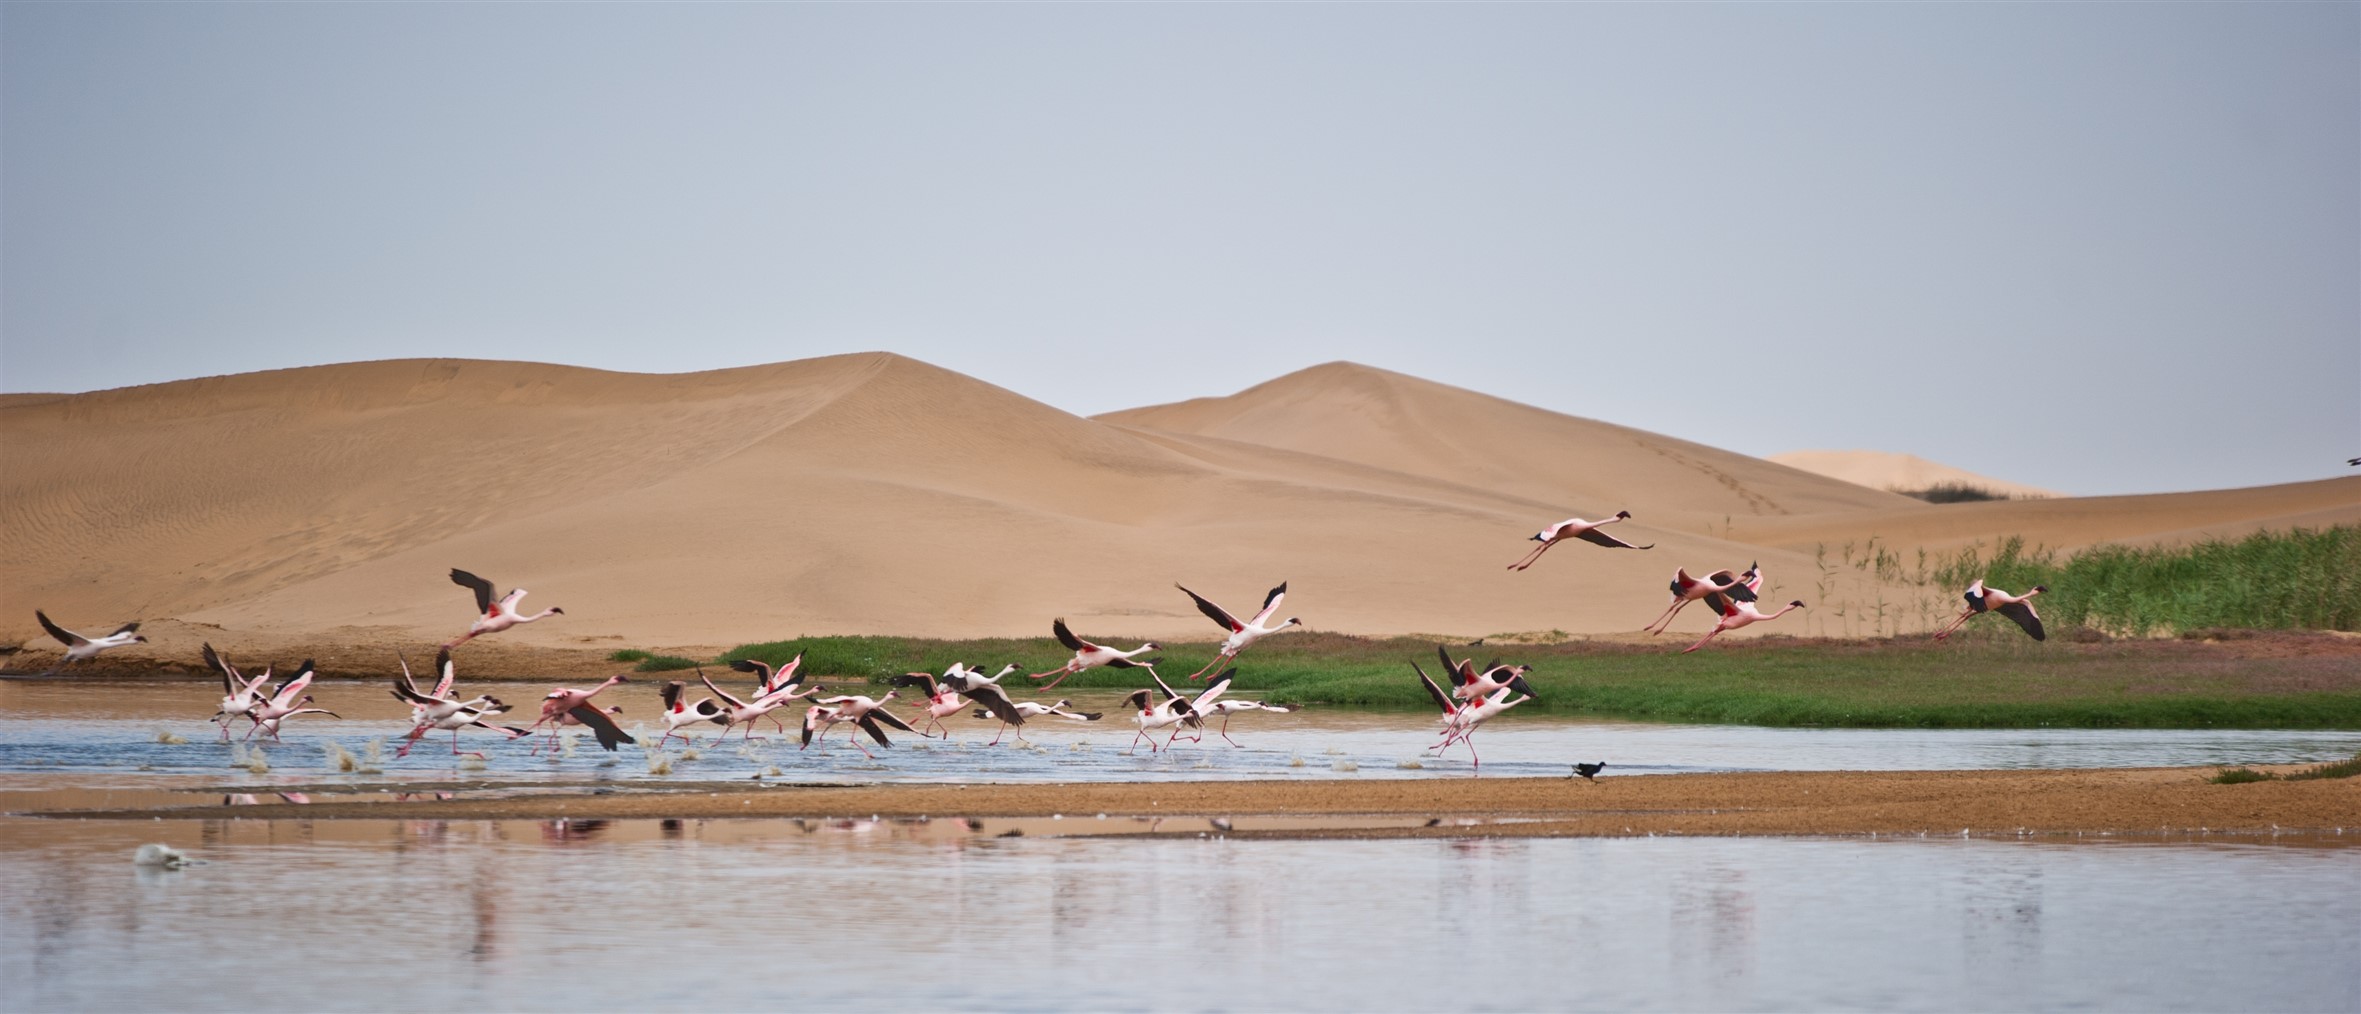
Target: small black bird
[{"x": 1586, "y": 771}]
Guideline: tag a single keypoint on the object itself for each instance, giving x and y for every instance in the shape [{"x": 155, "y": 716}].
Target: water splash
[{"x": 169, "y": 738}]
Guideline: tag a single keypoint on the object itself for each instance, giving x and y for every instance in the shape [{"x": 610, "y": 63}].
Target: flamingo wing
[
  {"x": 481, "y": 587},
  {"x": 1220, "y": 685},
  {"x": 1442, "y": 700},
  {"x": 1169, "y": 693},
  {"x": 1216, "y": 613},
  {"x": 608, "y": 733},
  {"x": 67, "y": 637},
  {"x": 1599, "y": 538},
  {"x": 868, "y": 724},
  {"x": 229, "y": 674},
  {"x": 1975, "y": 597},
  {"x": 2023, "y": 613},
  {"x": 719, "y": 692},
  {"x": 996, "y": 701},
  {"x": 1270, "y": 605},
  {"x": 128, "y": 628},
  {"x": 447, "y": 673},
  {"x": 1066, "y": 637},
  {"x": 917, "y": 679}
]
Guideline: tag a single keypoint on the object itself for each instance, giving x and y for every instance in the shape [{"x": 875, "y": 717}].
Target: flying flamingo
[
  {"x": 566, "y": 701},
  {"x": 1035, "y": 709},
  {"x": 1200, "y": 705},
  {"x": 867, "y": 715},
  {"x": 1230, "y": 705},
  {"x": 1469, "y": 685},
  {"x": 2016, "y": 607},
  {"x": 1576, "y": 528},
  {"x": 464, "y": 714},
  {"x": 1088, "y": 655},
  {"x": 239, "y": 695},
  {"x": 498, "y": 614},
  {"x": 282, "y": 701},
  {"x": 677, "y": 713},
  {"x": 79, "y": 647},
  {"x": 1150, "y": 717},
  {"x": 1686, "y": 589},
  {"x": 747, "y": 712},
  {"x": 943, "y": 700},
  {"x": 1736, "y": 614},
  {"x": 271, "y": 722},
  {"x": 1241, "y": 633},
  {"x": 1460, "y": 720},
  {"x": 771, "y": 680}
]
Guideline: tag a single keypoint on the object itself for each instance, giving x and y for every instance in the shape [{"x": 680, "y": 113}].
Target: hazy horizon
[{"x": 2093, "y": 248}]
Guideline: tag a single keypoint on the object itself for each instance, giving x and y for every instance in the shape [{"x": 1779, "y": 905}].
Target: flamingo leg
[
  {"x": 1717, "y": 628},
  {"x": 1225, "y": 731},
  {"x": 1532, "y": 556},
  {"x": 1665, "y": 620},
  {"x": 1955, "y": 624},
  {"x": 1061, "y": 675},
  {"x": 1211, "y": 666},
  {"x": 1003, "y": 732}
]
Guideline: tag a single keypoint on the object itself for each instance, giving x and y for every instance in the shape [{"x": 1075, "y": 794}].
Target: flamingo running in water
[
  {"x": 1460, "y": 720},
  {"x": 1577, "y": 528},
  {"x": 678, "y": 712},
  {"x": 1035, "y": 709},
  {"x": 79, "y": 647},
  {"x": 1230, "y": 706},
  {"x": 1150, "y": 715},
  {"x": 282, "y": 702},
  {"x": 1468, "y": 685},
  {"x": 239, "y": 695},
  {"x": 1686, "y": 589},
  {"x": 565, "y": 702},
  {"x": 1088, "y": 655},
  {"x": 499, "y": 613},
  {"x": 1736, "y": 614},
  {"x": 866, "y": 715},
  {"x": 1992, "y": 600},
  {"x": 771, "y": 695},
  {"x": 1241, "y": 633},
  {"x": 943, "y": 700}
]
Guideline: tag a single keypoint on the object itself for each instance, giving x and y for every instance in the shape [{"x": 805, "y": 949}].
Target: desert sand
[
  {"x": 2149, "y": 801},
  {"x": 872, "y": 493},
  {"x": 1888, "y": 470}
]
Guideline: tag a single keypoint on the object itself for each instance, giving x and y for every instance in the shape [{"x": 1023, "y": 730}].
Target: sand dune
[
  {"x": 1886, "y": 470},
  {"x": 876, "y": 494}
]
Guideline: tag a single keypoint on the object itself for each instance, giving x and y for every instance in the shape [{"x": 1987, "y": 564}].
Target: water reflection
[{"x": 513, "y": 914}]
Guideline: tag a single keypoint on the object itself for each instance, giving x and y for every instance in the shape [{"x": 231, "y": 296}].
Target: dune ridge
[{"x": 872, "y": 493}]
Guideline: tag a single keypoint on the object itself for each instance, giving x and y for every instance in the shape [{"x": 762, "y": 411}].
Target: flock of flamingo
[{"x": 1476, "y": 694}]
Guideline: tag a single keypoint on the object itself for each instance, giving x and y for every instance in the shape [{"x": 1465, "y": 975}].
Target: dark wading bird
[
  {"x": 496, "y": 613},
  {"x": 1992, "y": 600},
  {"x": 79, "y": 647},
  {"x": 1577, "y": 528},
  {"x": 1588, "y": 772}
]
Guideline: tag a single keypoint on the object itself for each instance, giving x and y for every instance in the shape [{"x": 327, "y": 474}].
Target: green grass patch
[
  {"x": 1999, "y": 683},
  {"x": 651, "y": 662},
  {"x": 2346, "y": 768}
]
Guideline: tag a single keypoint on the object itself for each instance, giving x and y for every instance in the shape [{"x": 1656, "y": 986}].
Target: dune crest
[
  {"x": 1899, "y": 472},
  {"x": 872, "y": 493}
]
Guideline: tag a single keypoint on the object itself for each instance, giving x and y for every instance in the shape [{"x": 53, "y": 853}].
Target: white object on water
[{"x": 153, "y": 854}]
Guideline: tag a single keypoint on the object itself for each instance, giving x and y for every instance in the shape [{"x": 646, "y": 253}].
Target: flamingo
[
  {"x": 2016, "y": 607},
  {"x": 1241, "y": 633},
  {"x": 564, "y": 702},
  {"x": 1469, "y": 685},
  {"x": 1230, "y": 706},
  {"x": 239, "y": 695},
  {"x": 282, "y": 701},
  {"x": 1172, "y": 711},
  {"x": 1035, "y": 709},
  {"x": 79, "y": 647},
  {"x": 1577, "y": 528},
  {"x": 498, "y": 614},
  {"x": 677, "y": 713},
  {"x": 943, "y": 700},
  {"x": 1736, "y": 614},
  {"x": 1686, "y": 589},
  {"x": 1460, "y": 720},
  {"x": 1088, "y": 655},
  {"x": 868, "y": 714},
  {"x": 271, "y": 722},
  {"x": 771, "y": 680},
  {"x": 1200, "y": 705},
  {"x": 462, "y": 715},
  {"x": 768, "y": 699}
]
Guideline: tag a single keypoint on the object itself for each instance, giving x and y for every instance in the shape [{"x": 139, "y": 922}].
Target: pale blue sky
[{"x": 2093, "y": 247}]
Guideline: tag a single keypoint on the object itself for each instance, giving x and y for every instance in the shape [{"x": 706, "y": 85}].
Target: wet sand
[{"x": 2125, "y": 802}]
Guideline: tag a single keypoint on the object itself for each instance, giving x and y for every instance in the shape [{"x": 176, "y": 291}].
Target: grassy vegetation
[
  {"x": 1988, "y": 683},
  {"x": 2292, "y": 580},
  {"x": 650, "y": 662},
  {"x": 1952, "y": 492},
  {"x": 2333, "y": 769}
]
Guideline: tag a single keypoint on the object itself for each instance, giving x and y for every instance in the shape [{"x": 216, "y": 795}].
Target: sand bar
[{"x": 2128, "y": 802}]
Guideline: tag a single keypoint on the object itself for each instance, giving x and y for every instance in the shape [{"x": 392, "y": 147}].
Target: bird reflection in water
[{"x": 567, "y": 831}]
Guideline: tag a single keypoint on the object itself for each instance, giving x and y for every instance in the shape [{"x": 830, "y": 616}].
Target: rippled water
[
  {"x": 137, "y": 733},
  {"x": 353, "y": 915}
]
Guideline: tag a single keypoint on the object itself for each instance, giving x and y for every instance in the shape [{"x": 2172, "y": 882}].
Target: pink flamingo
[
  {"x": 677, "y": 713},
  {"x": 1242, "y": 633},
  {"x": 1736, "y": 614},
  {"x": 1686, "y": 589},
  {"x": 282, "y": 701},
  {"x": 240, "y": 695},
  {"x": 79, "y": 647},
  {"x": 1577, "y": 528},
  {"x": 1088, "y": 655},
  {"x": 564, "y": 702},
  {"x": 498, "y": 614},
  {"x": 1034, "y": 709},
  {"x": 1992, "y": 600}
]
